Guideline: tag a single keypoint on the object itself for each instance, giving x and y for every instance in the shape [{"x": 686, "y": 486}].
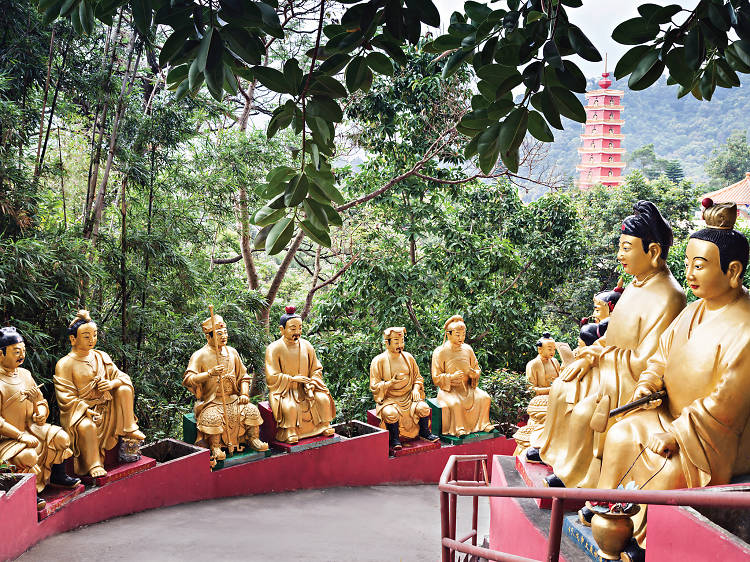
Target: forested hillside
[{"x": 686, "y": 130}]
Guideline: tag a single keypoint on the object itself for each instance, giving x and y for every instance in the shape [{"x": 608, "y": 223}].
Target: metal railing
[{"x": 450, "y": 488}]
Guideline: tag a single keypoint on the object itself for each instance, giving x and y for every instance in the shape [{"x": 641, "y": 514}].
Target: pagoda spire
[{"x": 601, "y": 147}]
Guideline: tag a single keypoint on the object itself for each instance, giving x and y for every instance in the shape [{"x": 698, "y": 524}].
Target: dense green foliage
[{"x": 122, "y": 194}]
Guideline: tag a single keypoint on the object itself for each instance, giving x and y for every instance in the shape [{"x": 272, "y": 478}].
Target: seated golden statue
[
  {"x": 300, "y": 401},
  {"x": 604, "y": 374},
  {"x": 398, "y": 390},
  {"x": 215, "y": 375},
  {"x": 26, "y": 439},
  {"x": 700, "y": 434},
  {"x": 455, "y": 371},
  {"x": 540, "y": 372},
  {"x": 95, "y": 398}
]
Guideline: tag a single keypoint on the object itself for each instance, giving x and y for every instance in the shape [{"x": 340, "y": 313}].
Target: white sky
[{"x": 597, "y": 19}]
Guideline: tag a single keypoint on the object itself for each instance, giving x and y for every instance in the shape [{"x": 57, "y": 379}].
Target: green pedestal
[
  {"x": 190, "y": 434},
  {"x": 189, "y": 428},
  {"x": 437, "y": 428},
  {"x": 437, "y": 416}
]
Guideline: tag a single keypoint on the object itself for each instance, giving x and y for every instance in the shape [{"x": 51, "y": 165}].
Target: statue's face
[
  {"x": 86, "y": 338},
  {"x": 601, "y": 310},
  {"x": 14, "y": 356},
  {"x": 631, "y": 256},
  {"x": 457, "y": 333},
  {"x": 293, "y": 330},
  {"x": 547, "y": 349},
  {"x": 703, "y": 270},
  {"x": 222, "y": 335},
  {"x": 395, "y": 342}
]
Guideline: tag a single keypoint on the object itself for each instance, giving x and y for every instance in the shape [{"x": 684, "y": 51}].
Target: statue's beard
[{"x": 295, "y": 337}]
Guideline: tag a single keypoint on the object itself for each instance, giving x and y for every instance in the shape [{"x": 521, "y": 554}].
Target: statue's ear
[
  {"x": 72, "y": 339},
  {"x": 735, "y": 273},
  {"x": 654, "y": 253}
]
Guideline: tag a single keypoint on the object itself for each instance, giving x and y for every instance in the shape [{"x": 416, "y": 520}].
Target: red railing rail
[{"x": 450, "y": 488}]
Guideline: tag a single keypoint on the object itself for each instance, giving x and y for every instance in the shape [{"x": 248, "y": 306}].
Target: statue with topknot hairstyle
[
  {"x": 699, "y": 435},
  {"x": 301, "y": 403},
  {"x": 603, "y": 375},
  {"x": 27, "y": 441},
  {"x": 455, "y": 371},
  {"x": 96, "y": 401}
]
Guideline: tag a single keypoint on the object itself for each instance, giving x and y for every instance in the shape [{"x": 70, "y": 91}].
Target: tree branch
[{"x": 220, "y": 261}]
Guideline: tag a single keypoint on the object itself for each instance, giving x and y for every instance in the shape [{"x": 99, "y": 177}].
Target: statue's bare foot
[
  {"x": 328, "y": 431},
  {"x": 97, "y": 472},
  {"x": 258, "y": 445},
  {"x": 218, "y": 454},
  {"x": 461, "y": 432},
  {"x": 489, "y": 427},
  {"x": 137, "y": 435}
]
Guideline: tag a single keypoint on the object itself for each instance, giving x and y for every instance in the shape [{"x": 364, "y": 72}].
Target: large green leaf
[
  {"x": 259, "y": 242},
  {"x": 267, "y": 215},
  {"x": 242, "y": 44},
  {"x": 567, "y": 104},
  {"x": 630, "y": 60},
  {"x": 488, "y": 147},
  {"x": 327, "y": 86},
  {"x": 513, "y": 129},
  {"x": 271, "y": 79},
  {"x": 380, "y": 63},
  {"x": 315, "y": 214},
  {"x": 141, "y": 10},
  {"x": 538, "y": 127},
  {"x": 647, "y": 72},
  {"x": 635, "y": 31},
  {"x": 333, "y": 64},
  {"x": 678, "y": 68},
  {"x": 552, "y": 55},
  {"x": 427, "y": 11},
  {"x": 582, "y": 45},
  {"x": 455, "y": 61},
  {"x": 572, "y": 77},
  {"x": 695, "y": 48},
  {"x": 293, "y": 76},
  {"x": 358, "y": 74},
  {"x": 279, "y": 236},
  {"x": 172, "y": 46},
  {"x": 296, "y": 191},
  {"x": 214, "y": 71},
  {"x": 324, "y": 107},
  {"x": 320, "y": 237}
]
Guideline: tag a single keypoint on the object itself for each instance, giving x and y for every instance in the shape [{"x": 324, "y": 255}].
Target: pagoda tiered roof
[
  {"x": 599, "y": 164},
  {"x": 605, "y": 121},
  {"x": 601, "y": 149},
  {"x": 593, "y": 93},
  {"x": 602, "y": 135}
]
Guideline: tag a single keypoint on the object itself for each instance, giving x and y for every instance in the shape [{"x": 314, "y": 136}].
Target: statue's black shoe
[
  {"x": 633, "y": 552},
  {"x": 532, "y": 455},
  {"x": 40, "y": 503},
  {"x": 393, "y": 440},
  {"x": 553, "y": 481},
  {"x": 58, "y": 477},
  {"x": 585, "y": 514},
  {"x": 424, "y": 431}
]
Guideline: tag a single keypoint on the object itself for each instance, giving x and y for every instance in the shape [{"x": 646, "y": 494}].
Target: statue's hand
[
  {"x": 576, "y": 370},
  {"x": 103, "y": 385},
  {"x": 244, "y": 399},
  {"x": 416, "y": 396},
  {"x": 217, "y": 371},
  {"x": 641, "y": 392},
  {"x": 33, "y": 394},
  {"x": 300, "y": 379},
  {"x": 663, "y": 444},
  {"x": 29, "y": 440},
  {"x": 41, "y": 417},
  {"x": 95, "y": 417}
]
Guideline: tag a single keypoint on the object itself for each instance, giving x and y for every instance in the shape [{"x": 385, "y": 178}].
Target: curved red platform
[{"x": 356, "y": 461}]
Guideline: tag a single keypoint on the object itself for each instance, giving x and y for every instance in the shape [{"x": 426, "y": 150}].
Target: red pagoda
[{"x": 601, "y": 149}]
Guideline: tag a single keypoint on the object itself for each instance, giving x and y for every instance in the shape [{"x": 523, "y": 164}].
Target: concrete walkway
[{"x": 377, "y": 523}]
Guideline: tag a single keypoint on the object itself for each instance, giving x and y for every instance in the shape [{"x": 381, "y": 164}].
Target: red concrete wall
[{"x": 360, "y": 461}]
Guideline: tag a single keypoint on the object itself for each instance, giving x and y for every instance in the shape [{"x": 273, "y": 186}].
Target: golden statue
[
  {"x": 604, "y": 302},
  {"x": 540, "y": 372},
  {"x": 700, "y": 434},
  {"x": 215, "y": 375},
  {"x": 95, "y": 398},
  {"x": 604, "y": 374},
  {"x": 300, "y": 401},
  {"x": 398, "y": 390},
  {"x": 26, "y": 439},
  {"x": 455, "y": 371}
]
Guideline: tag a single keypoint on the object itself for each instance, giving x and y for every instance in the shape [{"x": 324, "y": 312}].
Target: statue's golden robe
[
  {"x": 17, "y": 411},
  {"x": 209, "y": 407},
  {"x": 293, "y": 406},
  {"x": 568, "y": 443},
  {"x": 465, "y": 407},
  {"x": 405, "y": 372},
  {"x": 75, "y": 386},
  {"x": 704, "y": 362}
]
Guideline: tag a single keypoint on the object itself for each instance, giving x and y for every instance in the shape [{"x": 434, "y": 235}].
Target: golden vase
[{"x": 612, "y": 532}]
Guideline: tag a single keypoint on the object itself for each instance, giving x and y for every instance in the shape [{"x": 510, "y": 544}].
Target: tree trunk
[
  {"x": 123, "y": 271},
  {"x": 247, "y": 254},
  {"x": 127, "y": 86},
  {"x": 37, "y": 166}
]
